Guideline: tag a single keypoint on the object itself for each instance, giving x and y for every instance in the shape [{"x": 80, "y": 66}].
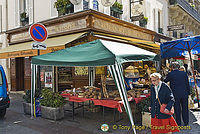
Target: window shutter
[
  {"x": 30, "y": 12},
  {"x": 0, "y": 18},
  {"x": 54, "y": 12},
  {"x": 17, "y": 13}
]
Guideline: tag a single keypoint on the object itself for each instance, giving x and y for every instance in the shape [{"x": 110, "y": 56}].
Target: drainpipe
[
  {"x": 6, "y": 15},
  {"x": 33, "y": 11}
]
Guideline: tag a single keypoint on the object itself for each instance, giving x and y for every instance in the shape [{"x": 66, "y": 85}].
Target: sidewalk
[{"x": 90, "y": 123}]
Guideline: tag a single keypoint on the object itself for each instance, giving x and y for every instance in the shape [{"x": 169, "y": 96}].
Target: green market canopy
[{"x": 99, "y": 53}]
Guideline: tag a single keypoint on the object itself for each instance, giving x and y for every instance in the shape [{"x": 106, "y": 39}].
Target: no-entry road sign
[{"x": 38, "y": 32}]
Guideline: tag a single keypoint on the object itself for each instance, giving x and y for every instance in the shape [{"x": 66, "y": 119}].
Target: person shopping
[
  {"x": 179, "y": 84},
  {"x": 161, "y": 94}
]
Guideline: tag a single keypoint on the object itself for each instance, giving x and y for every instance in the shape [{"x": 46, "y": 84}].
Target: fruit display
[
  {"x": 142, "y": 81},
  {"x": 92, "y": 92},
  {"x": 96, "y": 93}
]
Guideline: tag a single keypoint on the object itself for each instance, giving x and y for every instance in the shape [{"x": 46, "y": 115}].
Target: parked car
[{"x": 4, "y": 97}]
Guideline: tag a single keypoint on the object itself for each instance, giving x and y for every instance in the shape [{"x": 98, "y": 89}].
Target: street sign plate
[
  {"x": 38, "y": 32},
  {"x": 39, "y": 45},
  {"x": 176, "y": 27}
]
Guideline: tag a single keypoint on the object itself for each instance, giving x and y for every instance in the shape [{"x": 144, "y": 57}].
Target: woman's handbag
[{"x": 162, "y": 108}]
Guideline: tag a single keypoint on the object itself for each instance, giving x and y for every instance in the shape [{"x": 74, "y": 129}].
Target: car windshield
[{"x": 1, "y": 78}]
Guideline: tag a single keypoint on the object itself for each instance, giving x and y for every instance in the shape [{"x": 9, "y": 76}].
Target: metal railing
[{"x": 189, "y": 9}]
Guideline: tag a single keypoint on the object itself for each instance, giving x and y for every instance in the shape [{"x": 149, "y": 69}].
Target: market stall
[
  {"x": 187, "y": 47},
  {"x": 97, "y": 53}
]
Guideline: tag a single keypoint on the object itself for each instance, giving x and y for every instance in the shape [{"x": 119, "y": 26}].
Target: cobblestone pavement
[{"x": 16, "y": 122}]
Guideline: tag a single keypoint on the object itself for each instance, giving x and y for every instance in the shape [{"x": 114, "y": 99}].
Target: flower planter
[
  {"x": 52, "y": 113},
  {"x": 146, "y": 119},
  {"x": 172, "y": 2},
  {"x": 27, "y": 108}
]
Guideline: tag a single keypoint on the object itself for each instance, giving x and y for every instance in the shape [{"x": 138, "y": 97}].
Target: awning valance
[
  {"x": 148, "y": 45},
  {"x": 25, "y": 49}
]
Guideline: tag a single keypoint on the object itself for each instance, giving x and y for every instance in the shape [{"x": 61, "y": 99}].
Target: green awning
[{"x": 95, "y": 53}]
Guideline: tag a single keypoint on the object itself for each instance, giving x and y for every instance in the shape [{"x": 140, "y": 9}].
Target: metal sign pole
[{"x": 38, "y": 81}]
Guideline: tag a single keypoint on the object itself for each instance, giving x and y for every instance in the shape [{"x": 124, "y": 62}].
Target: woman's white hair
[
  {"x": 182, "y": 67},
  {"x": 155, "y": 75}
]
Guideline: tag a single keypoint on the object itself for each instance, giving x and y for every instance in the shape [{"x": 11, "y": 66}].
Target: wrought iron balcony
[{"x": 187, "y": 7}]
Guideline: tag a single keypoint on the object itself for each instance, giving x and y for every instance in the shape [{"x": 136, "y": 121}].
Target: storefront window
[
  {"x": 80, "y": 71},
  {"x": 64, "y": 78}
]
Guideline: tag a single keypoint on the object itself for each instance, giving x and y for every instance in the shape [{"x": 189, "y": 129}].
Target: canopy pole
[
  {"x": 91, "y": 73},
  {"x": 195, "y": 82},
  {"x": 116, "y": 73}
]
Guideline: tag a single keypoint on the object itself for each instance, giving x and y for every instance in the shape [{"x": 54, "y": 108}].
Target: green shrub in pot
[{"x": 51, "y": 99}]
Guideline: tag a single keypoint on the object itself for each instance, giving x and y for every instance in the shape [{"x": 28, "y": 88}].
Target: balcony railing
[{"x": 187, "y": 7}]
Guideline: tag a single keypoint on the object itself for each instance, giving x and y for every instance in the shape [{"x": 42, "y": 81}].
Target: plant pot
[
  {"x": 143, "y": 22},
  {"x": 172, "y": 2},
  {"x": 52, "y": 113},
  {"x": 27, "y": 108},
  {"x": 146, "y": 119}
]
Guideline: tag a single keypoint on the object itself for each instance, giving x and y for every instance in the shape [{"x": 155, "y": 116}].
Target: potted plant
[
  {"x": 51, "y": 105},
  {"x": 143, "y": 21},
  {"x": 117, "y": 7},
  {"x": 61, "y": 6},
  {"x": 27, "y": 101},
  {"x": 143, "y": 107},
  {"x": 24, "y": 18},
  {"x": 172, "y": 2}
]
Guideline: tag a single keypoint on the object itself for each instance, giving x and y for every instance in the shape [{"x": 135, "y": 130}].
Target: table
[{"x": 101, "y": 102}]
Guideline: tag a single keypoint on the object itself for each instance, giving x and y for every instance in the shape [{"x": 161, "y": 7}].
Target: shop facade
[{"x": 66, "y": 31}]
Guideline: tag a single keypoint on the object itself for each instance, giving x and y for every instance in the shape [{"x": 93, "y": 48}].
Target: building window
[
  {"x": 24, "y": 17},
  {"x": 181, "y": 35},
  {"x": 85, "y": 5},
  {"x": 175, "y": 34},
  {"x": 63, "y": 7},
  {"x": 95, "y": 5},
  {"x": 116, "y": 10},
  {"x": 69, "y": 8}
]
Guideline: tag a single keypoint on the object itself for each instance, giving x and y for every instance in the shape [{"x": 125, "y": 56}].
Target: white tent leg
[
  {"x": 116, "y": 72},
  {"x": 91, "y": 73}
]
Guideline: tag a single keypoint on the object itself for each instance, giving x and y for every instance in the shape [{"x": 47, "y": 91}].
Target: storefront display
[
  {"x": 64, "y": 78},
  {"x": 46, "y": 77}
]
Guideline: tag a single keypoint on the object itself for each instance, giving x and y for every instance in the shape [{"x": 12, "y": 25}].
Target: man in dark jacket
[{"x": 180, "y": 87}]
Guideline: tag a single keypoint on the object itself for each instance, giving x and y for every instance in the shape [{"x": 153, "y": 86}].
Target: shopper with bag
[
  {"x": 162, "y": 102},
  {"x": 181, "y": 90}
]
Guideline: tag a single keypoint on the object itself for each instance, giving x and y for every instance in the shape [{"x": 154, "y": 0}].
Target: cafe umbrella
[{"x": 187, "y": 46}]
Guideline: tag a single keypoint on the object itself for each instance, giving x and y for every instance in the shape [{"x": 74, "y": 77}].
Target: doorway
[{"x": 19, "y": 73}]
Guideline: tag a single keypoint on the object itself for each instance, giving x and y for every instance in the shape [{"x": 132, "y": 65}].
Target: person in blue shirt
[{"x": 180, "y": 87}]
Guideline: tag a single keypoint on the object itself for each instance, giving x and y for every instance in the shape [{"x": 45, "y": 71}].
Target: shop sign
[
  {"x": 107, "y": 3},
  {"x": 25, "y": 53},
  {"x": 39, "y": 45},
  {"x": 120, "y": 29},
  {"x": 41, "y": 76},
  {"x": 54, "y": 29},
  {"x": 137, "y": 18},
  {"x": 176, "y": 27},
  {"x": 137, "y": 12},
  {"x": 48, "y": 79}
]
